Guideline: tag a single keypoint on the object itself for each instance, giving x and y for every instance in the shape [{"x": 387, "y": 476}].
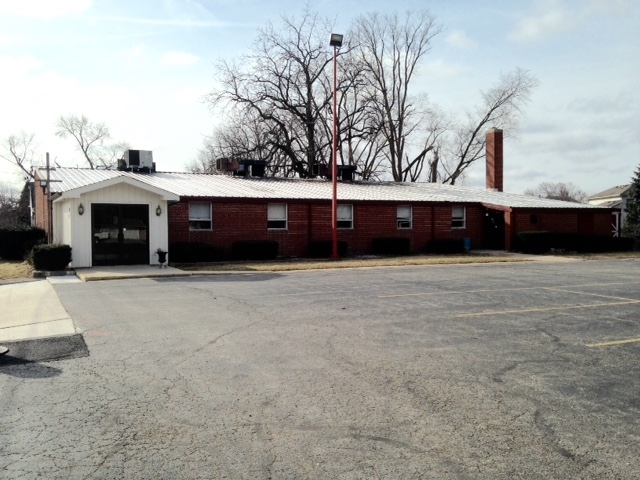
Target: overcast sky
[{"x": 143, "y": 67}]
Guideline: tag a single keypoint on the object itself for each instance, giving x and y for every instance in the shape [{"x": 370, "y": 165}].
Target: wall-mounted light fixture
[
  {"x": 158, "y": 211},
  {"x": 80, "y": 209}
]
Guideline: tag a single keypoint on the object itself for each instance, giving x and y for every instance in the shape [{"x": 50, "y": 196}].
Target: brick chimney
[{"x": 494, "y": 159}]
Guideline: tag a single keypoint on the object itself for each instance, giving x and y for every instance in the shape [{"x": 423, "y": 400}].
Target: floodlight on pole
[{"x": 336, "y": 43}]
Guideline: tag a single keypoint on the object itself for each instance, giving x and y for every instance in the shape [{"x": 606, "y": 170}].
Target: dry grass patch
[
  {"x": 313, "y": 264},
  {"x": 14, "y": 270}
]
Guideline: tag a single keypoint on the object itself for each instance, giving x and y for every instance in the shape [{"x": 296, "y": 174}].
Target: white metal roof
[{"x": 223, "y": 186}]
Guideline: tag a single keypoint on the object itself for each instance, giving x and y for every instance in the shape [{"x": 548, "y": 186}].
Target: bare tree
[
  {"x": 92, "y": 140},
  {"x": 19, "y": 149},
  {"x": 204, "y": 161},
  {"x": 501, "y": 107},
  {"x": 390, "y": 50},
  {"x": 10, "y": 211},
  {"x": 277, "y": 102},
  {"x": 558, "y": 191},
  {"x": 282, "y": 81}
]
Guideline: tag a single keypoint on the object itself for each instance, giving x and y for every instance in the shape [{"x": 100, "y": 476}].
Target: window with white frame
[
  {"x": 277, "y": 216},
  {"x": 404, "y": 217},
  {"x": 458, "y": 217},
  {"x": 200, "y": 216},
  {"x": 345, "y": 216}
]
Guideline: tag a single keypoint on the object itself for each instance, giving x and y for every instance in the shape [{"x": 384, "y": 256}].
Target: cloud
[
  {"x": 458, "y": 39},
  {"x": 173, "y": 22},
  {"x": 43, "y": 8},
  {"x": 608, "y": 6},
  {"x": 554, "y": 17},
  {"x": 622, "y": 103},
  {"x": 17, "y": 67},
  {"x": 538, "y": 27},
  {"x": 441, "y": 70},
  {"x": 178, "y": 59}
]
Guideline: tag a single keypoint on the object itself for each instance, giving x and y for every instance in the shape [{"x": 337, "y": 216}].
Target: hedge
[
  {"x": 391, "y": 246},
  {"x": 16, "y": 242},
  {"x": 254, "y": 250},
  {"x": 543, "y": 242},
  {"x": 193, "y": 252},
  {"x": 324, "y": 249},
  {"x": 455, "y": 245},
  {"x": 50, "y": 257}
]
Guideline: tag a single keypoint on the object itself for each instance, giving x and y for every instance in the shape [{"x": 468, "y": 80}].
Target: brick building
[{"x": 119, "y": 217}]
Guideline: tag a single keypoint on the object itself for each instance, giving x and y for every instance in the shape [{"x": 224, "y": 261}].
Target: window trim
[
  {"x": 400, "y": 219},
  {"x": 462, "y": 219},
  {"x": 285, "y": 219},
  {"x": 350, "y": 227},
  {"x": 201, "y": 219}
]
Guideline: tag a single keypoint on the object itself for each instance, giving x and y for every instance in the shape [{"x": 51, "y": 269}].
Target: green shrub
[
  {"x": 50, "y": 257},
  {"x": 454, "y": 245},
  {"x": 391, "y": 246},
  {"x": 543, "y": 242},
  {"x": 16, "y": 242},
  {"x": 254, "y": 250},
  {"x": 533, "y": 242},
  {"x": 324, "y": 249},
  {"x": 193, "y": 252}
]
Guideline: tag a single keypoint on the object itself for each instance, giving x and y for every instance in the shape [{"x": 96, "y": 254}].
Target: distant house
[
  {"x": 112, "y": 217},
  {"x": 616, "y": 198}
]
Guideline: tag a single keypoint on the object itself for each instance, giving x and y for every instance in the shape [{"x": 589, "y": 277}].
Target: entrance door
[
  {"x": 120, "y": 234},
  {"x": 494, "y": 230}
]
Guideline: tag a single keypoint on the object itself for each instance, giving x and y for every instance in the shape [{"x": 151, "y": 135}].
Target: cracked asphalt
[{"x": 482, "y": 372}]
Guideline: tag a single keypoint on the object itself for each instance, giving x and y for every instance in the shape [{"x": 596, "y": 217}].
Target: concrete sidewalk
[
  {"x": 32, "y": 310},
  {"x": 34, "y": 325},
  {"x": 128, "y": 271}
]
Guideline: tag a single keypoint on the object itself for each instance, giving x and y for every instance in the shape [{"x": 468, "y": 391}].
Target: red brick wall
[
  {"x": 587, "y": 222},
  {"x": 308, "y": 222}
]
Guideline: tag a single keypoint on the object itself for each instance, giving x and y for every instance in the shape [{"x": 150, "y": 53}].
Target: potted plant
[{"x": 162, "y": 256}]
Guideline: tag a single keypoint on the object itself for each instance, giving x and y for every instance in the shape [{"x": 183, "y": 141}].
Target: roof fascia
[{"x": 77, "y": 192}]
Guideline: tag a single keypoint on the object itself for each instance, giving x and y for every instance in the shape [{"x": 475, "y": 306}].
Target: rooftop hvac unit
[
  {"x": 251, "y": 168},
  {"x": 136, "y": 160}
]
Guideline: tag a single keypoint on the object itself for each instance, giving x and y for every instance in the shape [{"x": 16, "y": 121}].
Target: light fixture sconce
[
  {"x": 158, "y": 211},
  {"x": 80, "y": 209}
]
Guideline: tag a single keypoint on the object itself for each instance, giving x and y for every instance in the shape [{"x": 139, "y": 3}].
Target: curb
[
  {"x": 45, "y": 349},
  {"x": 52, "y": 273}
]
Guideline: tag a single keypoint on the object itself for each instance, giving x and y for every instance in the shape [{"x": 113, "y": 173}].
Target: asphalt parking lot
[{"x": 476, "y": 371}]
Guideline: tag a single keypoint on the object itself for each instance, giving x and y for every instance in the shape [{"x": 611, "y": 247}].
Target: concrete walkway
[
  {"x": 32, "y": 310},
  {"x": 34, "y": 326},
  {"x": 128, "y": 271}
]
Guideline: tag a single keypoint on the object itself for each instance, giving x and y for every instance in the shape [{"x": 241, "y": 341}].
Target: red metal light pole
[{"x": 335, "y": 42}]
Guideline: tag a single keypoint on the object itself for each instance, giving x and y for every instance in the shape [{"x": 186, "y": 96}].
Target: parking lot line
[
  {"x": 559, "y": 287},
  {"x": 547, "y": 309},
  {"x": 615, "y": 342},
  {"x": 486, "y": 290}
]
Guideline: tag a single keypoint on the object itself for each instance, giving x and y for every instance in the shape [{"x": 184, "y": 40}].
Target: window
[
  {"x": 458, "y": 217},
  {"x": 404, "y": 217},
  {"x": 277, "y": 216},
  {"x": 345, "y": 216},
  {"x": 200, "y": 216}
]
